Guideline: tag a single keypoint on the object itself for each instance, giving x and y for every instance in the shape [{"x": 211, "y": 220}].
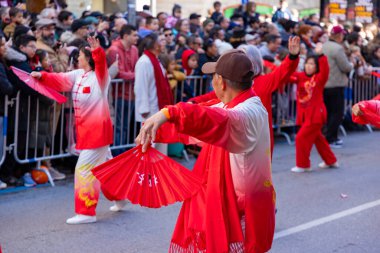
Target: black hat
[
  {"x": 78, "y": 23},
  {"x": 194, "y": 16},
  {"x": 20, "y": 29}
]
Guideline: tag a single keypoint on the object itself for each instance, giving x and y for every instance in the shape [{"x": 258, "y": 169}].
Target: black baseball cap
[
  {"x": 194, "y": 16},
  {"x": 79, "y": 23}
]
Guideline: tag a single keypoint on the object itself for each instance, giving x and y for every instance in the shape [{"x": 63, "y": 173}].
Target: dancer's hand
[
  {"x": 356, "y": 110},
  {"x": 149, "y": 129},
  {"x": 294, "y": 45},
  {"x": 36, "y": 75},
  {"x": 318, "y": 48},
  {"x": 94, "y": 43}
]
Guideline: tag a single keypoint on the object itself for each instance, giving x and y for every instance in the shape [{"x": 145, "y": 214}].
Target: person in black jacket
[
  {"x": 19, "y": 56},
  {"x": 375, "y": 59},
  {"x": 6, "y": 88}
]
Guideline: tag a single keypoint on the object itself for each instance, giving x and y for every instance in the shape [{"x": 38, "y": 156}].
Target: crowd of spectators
[{"x": 51, "y": 40}]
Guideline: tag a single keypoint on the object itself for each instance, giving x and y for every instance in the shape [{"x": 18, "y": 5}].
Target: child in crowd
[
  {"x": 16, "y": 17},
  {"x": 173, "y": 74},
  {"x": 41, "y": 62},
  {"x": 190, "y": 66},
  {"x": 311, "y": 113}
]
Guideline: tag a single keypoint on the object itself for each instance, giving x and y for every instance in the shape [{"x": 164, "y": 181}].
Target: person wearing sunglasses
[{"x": 170, "y": 44}]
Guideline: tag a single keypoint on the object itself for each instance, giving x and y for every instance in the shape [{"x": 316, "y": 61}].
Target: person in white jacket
[{"x": 151, "y": 88}]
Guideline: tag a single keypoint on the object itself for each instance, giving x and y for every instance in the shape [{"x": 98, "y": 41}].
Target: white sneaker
[
  {"x": 323, "y": 165},
  {"x": 81, "y": 219},
  {"x": 3, "y": 185},
  {"x": 55, "y": 174},
  {"x": 300, "y": 170},
  {"x": 119, "y": 205}
]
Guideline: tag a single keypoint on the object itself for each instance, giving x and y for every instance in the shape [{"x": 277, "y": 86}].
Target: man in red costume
[{"x": 235, "y": 209}]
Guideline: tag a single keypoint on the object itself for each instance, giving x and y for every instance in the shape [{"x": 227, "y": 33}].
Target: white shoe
[
  {"x": 2, "y": 185},
  {"x": 323, "y": 165},
  {"x": 300, "y": 170},
  {"x": 81, "y": 219},
  {"x": 55, "y": 174},
  {"x": 119, "y": 205}
]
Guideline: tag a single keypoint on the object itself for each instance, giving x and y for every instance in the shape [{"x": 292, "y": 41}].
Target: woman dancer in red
[
  {"x": 89, "y": 87},
  {"x": 311, "y": 113}
]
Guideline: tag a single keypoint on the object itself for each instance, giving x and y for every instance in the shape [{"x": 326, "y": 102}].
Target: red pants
[{"x": 306, "y": 137}]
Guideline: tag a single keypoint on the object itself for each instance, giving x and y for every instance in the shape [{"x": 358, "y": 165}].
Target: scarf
[
  {"x": 212, "y": 214},
  {"x": 164, "y": 93}
]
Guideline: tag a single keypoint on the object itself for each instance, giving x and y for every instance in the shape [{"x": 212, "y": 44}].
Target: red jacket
[
  {"x": 264, "y": 86},
  {"x": 127, "y": 63},
  {"x": 310, "y": 106}
]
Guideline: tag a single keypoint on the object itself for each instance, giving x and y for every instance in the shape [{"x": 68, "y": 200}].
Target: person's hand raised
[
  {"x": 294, "y": 45},
  {"x": 94, "y": 42},
  {"x": 318, "y": 48}
]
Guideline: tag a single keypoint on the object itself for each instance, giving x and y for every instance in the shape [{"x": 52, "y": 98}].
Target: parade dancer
[
  {"x": 311, "y": 113},
  {"x": 367, "y": 112},
  {"x": 265, "y": 85},
  {"x": 235, "y": 209},
  {"x": 89, "y": 87}
]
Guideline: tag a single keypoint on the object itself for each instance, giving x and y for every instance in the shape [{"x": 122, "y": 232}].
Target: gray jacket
[{"x": 339, "y": 64}]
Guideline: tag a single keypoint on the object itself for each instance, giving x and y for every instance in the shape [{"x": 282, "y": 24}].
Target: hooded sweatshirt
[
  {"x": 185, "y": 59},
  {"x": 127, "y": 63}
]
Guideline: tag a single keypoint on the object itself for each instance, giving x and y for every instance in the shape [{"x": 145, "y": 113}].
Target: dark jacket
[
  {"x": 6, "y": 88},
  {"x": 19, "y": 60}
]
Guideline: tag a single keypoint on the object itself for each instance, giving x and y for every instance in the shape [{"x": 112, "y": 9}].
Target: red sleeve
[
  {"x": 371, "y": 113},
  {"x": 203, "y": 98},
  {"x": 323, "y": 74},
  {"x": 62, "y": 82},
  {"x": 208, "y": 124},
  {"x": 101, "y": 69},
  {"x": 281, "y": 75},
  {"x": 294, "y": 78}
]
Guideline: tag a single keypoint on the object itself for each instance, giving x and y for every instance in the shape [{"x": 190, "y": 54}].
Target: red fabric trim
[{"x": 164, "y": 93}]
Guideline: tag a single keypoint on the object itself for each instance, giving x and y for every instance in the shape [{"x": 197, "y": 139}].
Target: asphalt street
[{"x": 327, "y": 210}]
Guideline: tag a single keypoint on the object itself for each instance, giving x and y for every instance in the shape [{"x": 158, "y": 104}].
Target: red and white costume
[
  {"x": 93, "y": 124},
  {"x": 235, "y": 164}
]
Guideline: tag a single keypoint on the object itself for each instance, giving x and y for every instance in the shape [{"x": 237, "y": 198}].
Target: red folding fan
[
  {"x": 150, "y": 179},
  {"x": 37, "y": 86}
]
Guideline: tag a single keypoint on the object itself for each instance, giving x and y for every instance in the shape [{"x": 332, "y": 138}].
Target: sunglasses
[{"x": 168, "y": 34}]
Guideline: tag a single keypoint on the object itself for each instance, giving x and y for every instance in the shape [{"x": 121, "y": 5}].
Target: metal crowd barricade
[
  {"x": 3, "y": 133},
  {"x": 44, "y": 132},
  {"x": 192, "y": 86},
  {"x": 360, "y": 89},
  {"x": 284, "y": 115},
  {"x": 122, "y": 109}
]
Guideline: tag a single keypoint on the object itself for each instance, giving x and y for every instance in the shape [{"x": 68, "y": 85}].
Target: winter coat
[
  {"x": 339, "y": 64},
  {"x": 58, "y": 61},
  {"x": 6, "y": 87},
  {"x": 19, "y": 60}
]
